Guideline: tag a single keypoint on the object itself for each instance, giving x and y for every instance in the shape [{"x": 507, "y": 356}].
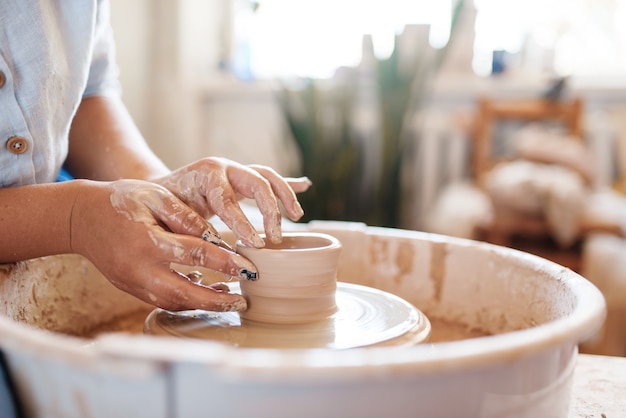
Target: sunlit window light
[
  {"x": 563, "y": 37},
  {"x": 312, "y": 39}
]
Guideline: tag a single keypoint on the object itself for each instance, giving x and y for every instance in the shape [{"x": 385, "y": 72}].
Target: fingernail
[
  {"x": 220, "y": 287},
  {"x": 215, "y": 238},
  {"x": 274, "y": 233},
  {"x": 248, "y": 275},
  {"x": 211, "y": 236},
  {"x": 297, "y": 209},
  {"x": 195, "y": 276},
  {"x": 244, "y": 268}
]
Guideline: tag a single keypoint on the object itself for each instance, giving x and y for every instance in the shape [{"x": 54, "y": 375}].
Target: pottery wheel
[{"x": 364, "y": 317}]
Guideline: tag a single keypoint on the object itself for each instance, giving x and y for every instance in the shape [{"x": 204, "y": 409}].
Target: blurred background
[{"x": 400, "y": 111}]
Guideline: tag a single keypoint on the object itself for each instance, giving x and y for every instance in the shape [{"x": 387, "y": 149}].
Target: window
[
  {"x": 313, "y": 38},
  {"x": 566, "y": 37}
]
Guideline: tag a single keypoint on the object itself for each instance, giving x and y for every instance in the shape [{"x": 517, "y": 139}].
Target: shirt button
[
  {"x": 17, "y": 145},
  {"x": 3, "y": 79}
]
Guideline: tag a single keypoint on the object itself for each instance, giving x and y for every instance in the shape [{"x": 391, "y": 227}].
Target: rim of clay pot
[
  {"x": 297, "y": 242},
  {"x": 307, "y": 364}
]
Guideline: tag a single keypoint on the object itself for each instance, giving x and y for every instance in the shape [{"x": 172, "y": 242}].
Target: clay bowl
[
  {"x": 298, "y": 279},
  {"x": 523, "y": 318}
]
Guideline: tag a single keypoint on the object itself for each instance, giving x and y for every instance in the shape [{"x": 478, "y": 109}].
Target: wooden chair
[
  {"x": 490, "y": 111},
  {"x": 506, "y": 224}
]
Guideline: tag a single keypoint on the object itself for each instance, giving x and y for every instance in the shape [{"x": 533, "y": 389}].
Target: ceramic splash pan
[{"x": 531, "y": 315}]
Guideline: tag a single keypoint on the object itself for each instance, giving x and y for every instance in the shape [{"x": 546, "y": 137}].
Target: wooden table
[{"x": 599, "y": 387}]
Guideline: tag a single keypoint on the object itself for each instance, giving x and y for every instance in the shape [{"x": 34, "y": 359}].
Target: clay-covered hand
[
  {"x": 133, "y": 230},
  {"x": 215, "y": 185}
]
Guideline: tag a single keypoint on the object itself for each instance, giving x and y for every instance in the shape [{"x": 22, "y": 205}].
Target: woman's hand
[
  {"x": 133, "y": 230},
  {"x": 215, "y": 185},
  {"x": 210, "y": 186}
]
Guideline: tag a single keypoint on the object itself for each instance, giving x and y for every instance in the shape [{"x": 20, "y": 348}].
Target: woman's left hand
[{"x": 213, "y": 186}]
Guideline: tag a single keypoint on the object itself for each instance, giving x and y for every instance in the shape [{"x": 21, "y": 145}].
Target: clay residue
[
  {"x": 18, "y": 267},
  {"x": 438, "y": 255},
  {"x": 379, "y": 250},
  {"x": 131, "y": 323},
  {"x": 404, "y": 261},
  {"x": 445, "y": 330},
  {"x": 395, "y": 260}
]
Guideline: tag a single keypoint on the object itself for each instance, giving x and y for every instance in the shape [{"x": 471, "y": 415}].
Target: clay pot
[{"x": 297, "y": 279}]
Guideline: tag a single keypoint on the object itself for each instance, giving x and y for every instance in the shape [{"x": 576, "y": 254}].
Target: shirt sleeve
[{"x": 103, "y": 72}]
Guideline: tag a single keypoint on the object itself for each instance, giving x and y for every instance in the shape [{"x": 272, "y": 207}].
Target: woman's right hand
[
  {"x": 213, "y": 186},
  {"x": 133, "y": 230}
]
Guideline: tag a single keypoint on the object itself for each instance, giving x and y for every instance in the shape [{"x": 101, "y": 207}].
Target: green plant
[{"x": 347, "y": 184}]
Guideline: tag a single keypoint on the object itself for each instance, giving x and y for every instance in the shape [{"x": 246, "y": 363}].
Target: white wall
[
  {"x": 169, "y": 52},
  {"x": 131, "y": 23}
]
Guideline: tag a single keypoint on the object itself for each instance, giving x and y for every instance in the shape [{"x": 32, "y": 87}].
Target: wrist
[
  {"x": 35, "y": 220},
  {"x": 87, "y": 199}
]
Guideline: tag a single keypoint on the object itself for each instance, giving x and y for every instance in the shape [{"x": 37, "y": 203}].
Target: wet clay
[
  {"x": 365, "y": 317},
  {"x": 297, "y": 303},
  {"x": 442, "y": 330},
  {"x": 297, "y": 279}
]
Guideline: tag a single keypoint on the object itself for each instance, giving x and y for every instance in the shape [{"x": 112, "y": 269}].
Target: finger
[
  {"x": 300, "y": 184},
  {"x": 223, "y": 200},
  {"x": 178, "y": 217},
  {"x": 195, "y": 252},
  {"x": 211, "y": 235},
  {"x": 251, "y": 184},
  {"x": 282, "y": 188},
  {"x": 181, "y": 219},
  {"x": 173, "y": 291},
  {"x": 196, "y": 277}
]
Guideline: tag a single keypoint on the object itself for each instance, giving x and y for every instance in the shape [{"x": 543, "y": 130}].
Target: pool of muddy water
[{"x": 443, "y": 330}]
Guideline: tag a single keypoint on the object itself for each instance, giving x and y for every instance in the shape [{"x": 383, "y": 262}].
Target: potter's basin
[{"x": 532, "y": 312}]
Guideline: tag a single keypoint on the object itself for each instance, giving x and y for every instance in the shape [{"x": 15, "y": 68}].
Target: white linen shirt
[{"x": 52, "y": 54}]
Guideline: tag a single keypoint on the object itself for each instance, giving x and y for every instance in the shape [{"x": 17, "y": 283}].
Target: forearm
[
  {"x": 105, "y": 144},
  {"x": 35, "y": 220}
]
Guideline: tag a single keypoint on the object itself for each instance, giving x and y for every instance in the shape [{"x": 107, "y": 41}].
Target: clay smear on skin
[
  {"x": 138, "y": 211},
  {"x": 216, "y": 200},
  {"x": 187, "y": 183}
]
